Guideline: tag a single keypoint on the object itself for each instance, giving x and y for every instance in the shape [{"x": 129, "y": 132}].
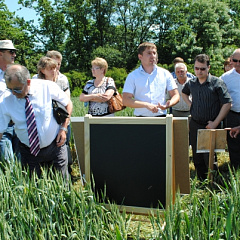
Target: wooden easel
[{"x": 210, "y": 141}]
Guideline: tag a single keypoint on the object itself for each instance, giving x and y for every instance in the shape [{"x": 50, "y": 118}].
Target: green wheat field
[{"x": 51, "y": 208}]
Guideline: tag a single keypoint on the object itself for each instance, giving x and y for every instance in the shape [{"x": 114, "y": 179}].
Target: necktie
[{"x": 34, "y": 142}]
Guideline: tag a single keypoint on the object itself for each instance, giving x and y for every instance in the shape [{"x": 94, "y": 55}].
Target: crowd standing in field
[{"x": 150, "y": 89}]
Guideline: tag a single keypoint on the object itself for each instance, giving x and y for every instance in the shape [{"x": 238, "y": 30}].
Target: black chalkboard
[{"x": 130, "y": 160}]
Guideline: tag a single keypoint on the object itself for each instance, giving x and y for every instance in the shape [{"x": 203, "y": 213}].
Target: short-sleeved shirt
[
  {"x": 40, "y": 94},
  {"x": 151, "y": 88},
  {"x": 181, "y": 105},
  {"x": 98, "y": 108},
  {"x": 207, "y": 98},
  {"x": 62, "y": 82},
  {"x": 232, "y": 80}
]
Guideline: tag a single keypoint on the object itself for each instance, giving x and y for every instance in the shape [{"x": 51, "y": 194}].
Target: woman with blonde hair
[{"x": 99, "y": 90}]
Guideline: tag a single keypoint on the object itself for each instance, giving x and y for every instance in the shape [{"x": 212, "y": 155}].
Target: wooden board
[
  {"x": 203, "y": 140},
  {"x": 131, "y": 160}
]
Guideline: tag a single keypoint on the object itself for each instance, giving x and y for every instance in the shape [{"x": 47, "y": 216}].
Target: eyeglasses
[
  {"x": 201, "y": 69},
  {"x": 18, "y": 91},
  {"x": 95, "y": 68},
  {"x": 11, "y": 51},
  {"x": 235, "y": 60}
]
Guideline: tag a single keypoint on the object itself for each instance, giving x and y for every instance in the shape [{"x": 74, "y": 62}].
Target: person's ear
[{"x": 29, "y": 82}]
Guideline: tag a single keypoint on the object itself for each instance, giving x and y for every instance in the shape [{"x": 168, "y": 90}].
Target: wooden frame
[{"x": 96, "y": 123}]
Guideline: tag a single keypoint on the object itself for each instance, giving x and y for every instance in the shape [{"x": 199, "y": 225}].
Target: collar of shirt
[
  {"x": 142, "y": 69},
  {"x": 207, "y": 80}
]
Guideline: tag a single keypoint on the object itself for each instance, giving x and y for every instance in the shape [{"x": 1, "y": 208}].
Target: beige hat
[{"x": 6, "y": 44}]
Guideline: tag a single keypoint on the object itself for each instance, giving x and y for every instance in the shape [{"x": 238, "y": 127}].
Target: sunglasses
[
  {"x": 18, "y": 91},
  {"x": 11, "y": 51},
  {"x": 201, "y": 69},
  {"x": 235, "y": 60}
]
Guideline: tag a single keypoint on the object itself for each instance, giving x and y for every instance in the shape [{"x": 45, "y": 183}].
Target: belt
[
  {"x": 26, "y": 147},
  {"x": 238, "y": 113}
]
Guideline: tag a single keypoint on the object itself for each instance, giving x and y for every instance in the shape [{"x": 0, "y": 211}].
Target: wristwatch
[{"x": 64, "y": 129}]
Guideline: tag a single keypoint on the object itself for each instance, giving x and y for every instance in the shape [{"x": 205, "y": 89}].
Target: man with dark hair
[
  {"x": 145, "y": 88},
  {"x": 209, "y": 105}
]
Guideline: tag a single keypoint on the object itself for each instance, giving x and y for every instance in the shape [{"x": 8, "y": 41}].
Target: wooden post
[{"x": 212, "y": 144}]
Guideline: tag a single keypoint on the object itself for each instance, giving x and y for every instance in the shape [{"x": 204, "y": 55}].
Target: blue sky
[{"x": 26, "y": 13}]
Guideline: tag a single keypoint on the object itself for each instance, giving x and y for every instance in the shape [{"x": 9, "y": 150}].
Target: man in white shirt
[
  {"x": 232, "y": 80},
  {"x": 51, "y": 135},
  {"x": 145, "y": 88},
  {"x": 9, "y": 141}
]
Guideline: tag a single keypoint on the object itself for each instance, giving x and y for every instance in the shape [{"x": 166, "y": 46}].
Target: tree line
[{"x": 113, "y": 29}]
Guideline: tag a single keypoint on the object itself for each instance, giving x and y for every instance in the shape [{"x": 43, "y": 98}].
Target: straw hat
[{"x": 6, "y": 44}]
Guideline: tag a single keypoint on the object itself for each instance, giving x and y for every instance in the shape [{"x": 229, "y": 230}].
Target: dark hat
[{"x": 7, "y": 45}]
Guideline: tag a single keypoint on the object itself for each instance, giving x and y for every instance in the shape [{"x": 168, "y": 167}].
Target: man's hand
[
  {"x": 211, "y": 125},
  {"x": 61, "y": 138},
  {"x": 164, "y": 106},
  {"x": 153, "y": 108},
  {"x": 234, "y": 131}
]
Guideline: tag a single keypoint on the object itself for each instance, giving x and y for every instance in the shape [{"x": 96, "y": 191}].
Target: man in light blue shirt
[{"x": 145, "y": 88}]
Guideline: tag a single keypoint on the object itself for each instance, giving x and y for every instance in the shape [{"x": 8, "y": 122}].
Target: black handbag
[{"x": 60, "y": 113}]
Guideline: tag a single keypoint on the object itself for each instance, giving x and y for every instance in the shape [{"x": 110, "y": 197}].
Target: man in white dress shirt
[
  {"x": 51, "y": 135},
  {"x": 145, "y": 88}
]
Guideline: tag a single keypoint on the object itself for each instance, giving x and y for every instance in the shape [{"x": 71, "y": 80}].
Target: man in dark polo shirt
[{"x": 209, "y": 105}]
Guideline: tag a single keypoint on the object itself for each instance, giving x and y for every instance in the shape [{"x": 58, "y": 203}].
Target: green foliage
[
  {"x": 77, "y": 79},
  {"x": 119, "y": 75},
  {"x": 111, "y": 55},
  {"x": 76, "y": 92},
  {"x": 113, "y": 29}
]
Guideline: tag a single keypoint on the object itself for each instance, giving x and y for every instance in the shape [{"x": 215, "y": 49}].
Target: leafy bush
[{"x": 119, "y": 75}]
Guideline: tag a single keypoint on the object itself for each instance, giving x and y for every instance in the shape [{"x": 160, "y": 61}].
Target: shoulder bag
[
  {"x": 115, "y": 102},
  {"x": 60, "y": 113}
]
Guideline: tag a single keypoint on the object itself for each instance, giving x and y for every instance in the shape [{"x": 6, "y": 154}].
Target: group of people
[
  {"x": 26, "y": 105},
  {"x": 151, "y": 90}
]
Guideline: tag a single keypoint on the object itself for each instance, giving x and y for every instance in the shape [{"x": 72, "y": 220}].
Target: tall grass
[{"x": 51, "y": 208}]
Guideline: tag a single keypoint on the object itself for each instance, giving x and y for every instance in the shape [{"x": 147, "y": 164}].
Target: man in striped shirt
[{"x": 209, "y": 105}]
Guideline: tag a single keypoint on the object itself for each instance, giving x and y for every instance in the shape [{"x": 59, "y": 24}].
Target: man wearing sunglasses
[
  {"x": 29, "y": 104},
  {"x": 9, "y": 142},
  {"x": 209, "y": 105},
  {"x": 232, "y": 80}
]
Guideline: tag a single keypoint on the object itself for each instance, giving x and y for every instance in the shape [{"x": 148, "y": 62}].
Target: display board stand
[{"x": 131, "y": 160}]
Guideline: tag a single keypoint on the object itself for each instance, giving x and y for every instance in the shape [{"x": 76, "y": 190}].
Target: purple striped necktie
[{"x": 34, "y": 142}]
